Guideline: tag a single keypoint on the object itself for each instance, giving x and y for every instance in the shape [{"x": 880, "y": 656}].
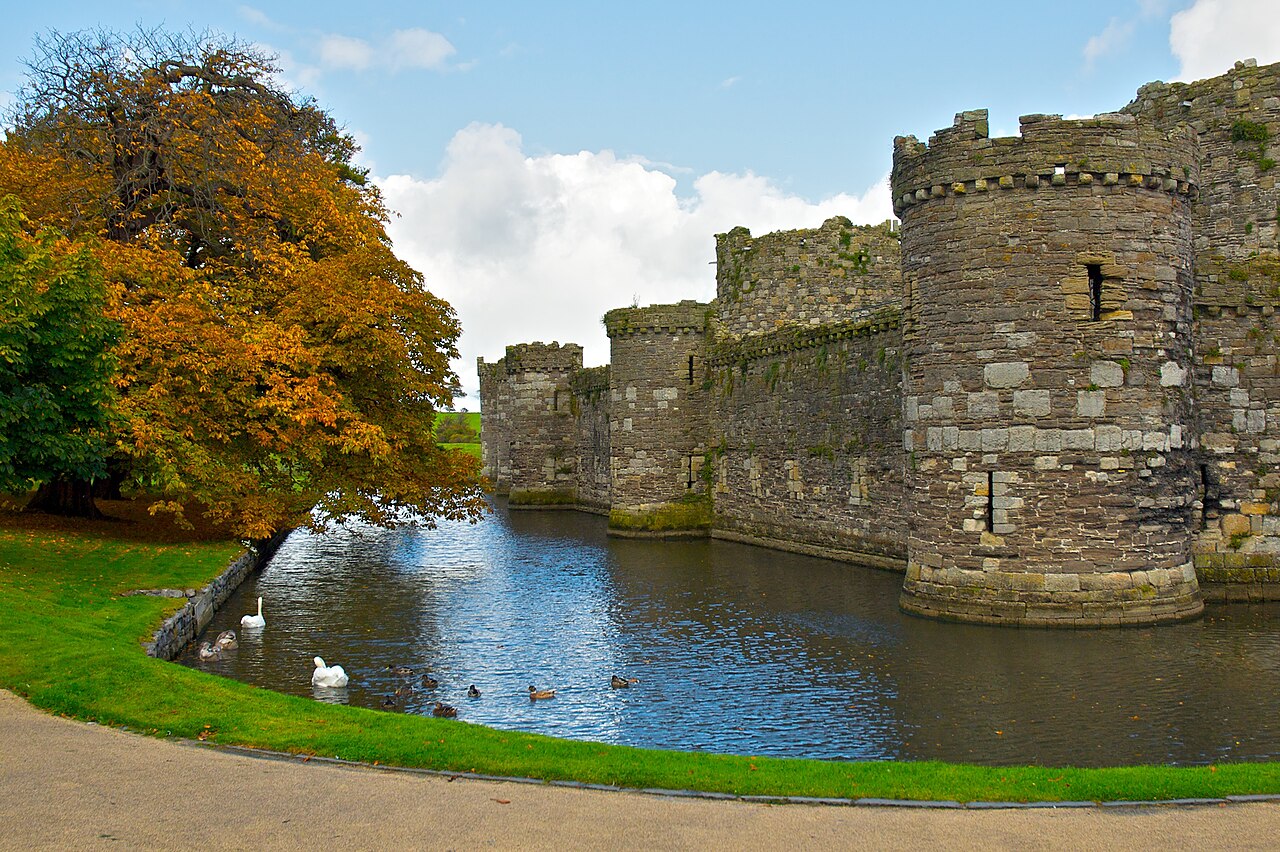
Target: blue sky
[{"x": 551, "y": 161}]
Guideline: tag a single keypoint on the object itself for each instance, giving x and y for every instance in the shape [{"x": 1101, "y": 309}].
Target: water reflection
[{"x": 737, "y": 649}]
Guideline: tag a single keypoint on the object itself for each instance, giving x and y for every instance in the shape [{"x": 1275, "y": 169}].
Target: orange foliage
[{"x": 276, "y": 356}]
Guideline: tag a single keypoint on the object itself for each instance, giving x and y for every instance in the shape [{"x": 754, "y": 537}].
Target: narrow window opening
[
  {"x": 991, "y": 501},
  {"x": 689, "y": 471},
  {"x": 1095, "y": 290},
  {"x": 555, "y": 401},
  {"x": 690, "y": 369}
]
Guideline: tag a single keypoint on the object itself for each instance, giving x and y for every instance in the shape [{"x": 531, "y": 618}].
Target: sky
[{"x": 547, "y": 162}]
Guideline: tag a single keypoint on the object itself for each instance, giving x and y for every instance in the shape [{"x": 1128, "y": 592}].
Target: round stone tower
[{"x": 1047, "y": 384}]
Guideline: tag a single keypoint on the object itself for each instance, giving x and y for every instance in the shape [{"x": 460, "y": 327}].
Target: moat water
[{"x": 738, "y": 649}]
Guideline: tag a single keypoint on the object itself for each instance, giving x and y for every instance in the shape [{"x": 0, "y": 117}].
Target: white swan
[
  {"x": 252, "y": 622},
  {"x": 327, "y": 675}
]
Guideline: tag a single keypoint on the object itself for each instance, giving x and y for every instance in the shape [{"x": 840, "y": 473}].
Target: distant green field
[
  {"x": 470, "y": 418},
  {"x": 459, "y": 431},
  {"x": 473, "y": 449}
]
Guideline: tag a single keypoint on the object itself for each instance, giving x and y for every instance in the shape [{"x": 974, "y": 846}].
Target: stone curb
[{"x": 1145, "y": 804}]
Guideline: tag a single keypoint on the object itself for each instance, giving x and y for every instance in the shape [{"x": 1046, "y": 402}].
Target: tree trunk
[{"x": 70, "y": 498}]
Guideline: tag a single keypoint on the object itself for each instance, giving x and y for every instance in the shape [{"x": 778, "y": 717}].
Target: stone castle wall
[
  {"x": 593, "y": 448},
  {"x": 804, "y": 278},
  {"x": 1237, "y": 291},
  {"x": 1052, "y": 398},
  {"x": 805, "y": 443}
]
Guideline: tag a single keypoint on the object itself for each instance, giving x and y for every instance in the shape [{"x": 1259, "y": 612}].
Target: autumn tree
[
  {"x": 55, "y": 370},
  {"x": 277, "y": 362}
]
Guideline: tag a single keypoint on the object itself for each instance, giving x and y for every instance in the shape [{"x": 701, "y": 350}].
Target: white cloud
[
  {"x": 419, "y": 48},
  {"x": 538, "y": 248},
  {"x": 1113, "y": 38},
  {"x": 1211, "y": 35},
  {"x": 339, "y": 51},
  {"x": 729, "y": 82},
  {"x": 412, "y": 48},
  {"x": 259, "y": 18}
]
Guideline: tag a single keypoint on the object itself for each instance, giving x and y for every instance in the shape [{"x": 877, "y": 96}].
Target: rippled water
[{"x": 739, "y": 649}]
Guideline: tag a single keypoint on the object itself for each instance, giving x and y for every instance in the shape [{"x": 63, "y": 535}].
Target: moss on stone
[
  {"x": 543, "y": 497},
  {"x": 692, "y": 515}
]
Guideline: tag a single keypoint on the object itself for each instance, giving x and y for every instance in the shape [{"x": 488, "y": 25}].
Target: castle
[{"x": 1051, "y": 397}]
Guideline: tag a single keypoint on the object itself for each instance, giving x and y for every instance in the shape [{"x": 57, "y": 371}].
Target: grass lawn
[
  {"x": 69, "y": 643},
  {"x": 473, "y": 449}
]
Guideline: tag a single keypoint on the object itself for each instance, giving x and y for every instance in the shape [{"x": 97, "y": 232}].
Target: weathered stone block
[
  {"x": 1091, "y": 403},
  {"x": 1106, "y": 374},
  {"x": 1006, "y": 374},
  {"x": 985, "y": 404},
  {"x": 1030, "y": 403}
]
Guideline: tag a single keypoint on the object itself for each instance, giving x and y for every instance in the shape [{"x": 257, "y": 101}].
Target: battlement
[
  {"x": 1112, "y": 151},
  {"x": 872, "y": 322},
  {"x": 807, "y": 277},
  {"x": 589, "y": 381},
  {"x": 542, "y": 357},
  {"x": 686, "y": 316}
]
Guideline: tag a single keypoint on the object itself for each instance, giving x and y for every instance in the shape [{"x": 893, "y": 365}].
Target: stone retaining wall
[{"x": 185, "y": 625}]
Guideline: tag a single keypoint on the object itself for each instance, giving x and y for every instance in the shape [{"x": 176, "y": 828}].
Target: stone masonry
[{"x": 1050, "y": 397}]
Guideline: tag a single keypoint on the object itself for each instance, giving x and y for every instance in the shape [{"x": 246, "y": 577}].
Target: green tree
[{"x": 55, "y": 370}]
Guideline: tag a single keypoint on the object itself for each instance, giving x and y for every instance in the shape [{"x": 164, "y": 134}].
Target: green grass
[
  {"x": 472, "y": 449},
  {"x": 69, "y": 643}
]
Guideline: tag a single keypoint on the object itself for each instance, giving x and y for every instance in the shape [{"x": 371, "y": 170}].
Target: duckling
[
  {"x": 540, "y": 694},
  {"x": 428, "y": 682},
  {"x": 400, "y": 671},
  {"x": 444, "y": 711},
  {"x": 208, "y": 651},
  {"x": 388, "y": 702},
  {"x": 226, "y": 640},
  {"x": 404, "y": 690},
  {"x": 472, "y": 692}
]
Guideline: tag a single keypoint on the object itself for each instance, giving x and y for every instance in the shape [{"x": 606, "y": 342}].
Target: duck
[
  {"x": 327, "y": 675},
  {"x": 400, "y": 671},
  {"x": 472, "y": 692},
  {"x": 208, "y": 651},
  {"x": 226, "y": 641},
  {"x": 540, "y": 694},
  {"x": 428, "y": 682},
  {"x": 444, "y": 711},
  {"x": 388, "y": 702},
  {"x": 622, "y": 682},
  {"x": 253, "y": 622},
  {"x": 403, "y": 690}
]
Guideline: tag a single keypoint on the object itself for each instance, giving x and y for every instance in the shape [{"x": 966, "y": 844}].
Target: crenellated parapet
[
  {"x": 803, "y": 278},
  {"x": 687, "y": 317},
  {"x": 542, "y": 357},
  {"x": 1112, "y": 152}
]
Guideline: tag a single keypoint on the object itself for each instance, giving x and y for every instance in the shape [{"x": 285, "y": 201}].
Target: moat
[{"x": 741, "y": 650}]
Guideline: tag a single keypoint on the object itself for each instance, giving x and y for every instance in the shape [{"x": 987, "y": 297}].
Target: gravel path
[{"x": 66, "y": 784}]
